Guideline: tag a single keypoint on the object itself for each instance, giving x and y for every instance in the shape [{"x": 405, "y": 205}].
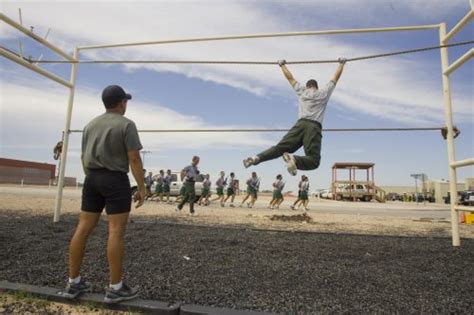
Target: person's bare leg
[
  {"x": 87, "y": 222},
  {"x": 115, "y": 245},
  {"x": 280, "y": 201},
  {"x": 245, "y": 199}
]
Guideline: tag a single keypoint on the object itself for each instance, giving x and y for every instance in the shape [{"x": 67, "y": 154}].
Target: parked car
[
  {"x": 394, "y": 197},
  {"x": 347, "y": 191},
  {"x": 467, "y": 198}
]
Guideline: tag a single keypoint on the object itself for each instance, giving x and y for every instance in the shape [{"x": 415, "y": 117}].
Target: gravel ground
[{"x": 249, "y": 269}]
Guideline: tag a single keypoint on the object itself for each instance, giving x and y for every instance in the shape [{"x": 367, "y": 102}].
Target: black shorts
[{"x": 104, "y": 188}]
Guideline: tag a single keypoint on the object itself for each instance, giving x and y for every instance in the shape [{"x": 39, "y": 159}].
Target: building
[
  {"x": 29, "y": 173},
  {"x": 439, "y": 189}
]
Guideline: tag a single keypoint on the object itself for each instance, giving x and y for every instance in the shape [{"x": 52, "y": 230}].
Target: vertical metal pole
[
  {"x": 448, "y": 113},
  {"x": 416, "y": 190},
  {"x": 62, "y": 169}
]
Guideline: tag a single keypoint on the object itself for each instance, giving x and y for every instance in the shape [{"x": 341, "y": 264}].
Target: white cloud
[
  {"x": 397, "y": 89},
  {"x": 36, "y": 114}
]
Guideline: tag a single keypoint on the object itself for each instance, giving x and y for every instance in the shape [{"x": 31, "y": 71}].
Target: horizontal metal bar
[
  {"x": 258, "y": 62},
  {"x": 279, "y": 130},
  {"x": 461, "y": 163},
  {"x": 269, "y": 35},
  {"x": 464, "y": 208},
  {"x": 461, "y": 60},
  {"x": 28, "y": 32},
  {"x": 458, "y": 27},
  {"x": 5, "y": 53}
]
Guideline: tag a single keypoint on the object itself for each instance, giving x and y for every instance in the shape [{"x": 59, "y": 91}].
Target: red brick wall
[{"x": 14, "y": 171}]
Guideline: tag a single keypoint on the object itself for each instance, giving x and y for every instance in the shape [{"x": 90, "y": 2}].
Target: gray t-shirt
[
  {"x": 221, "y": 182},
  {"x": 106, "y": 141},
  {"x": 305, "y": 186},
  {"x": 253, "y": 182},
  {"x": 279, "y": 185},
  {"x": 191, "y": 172},
  {"x": 206, "y": 183},
  {"x": 313, "y": 102}
]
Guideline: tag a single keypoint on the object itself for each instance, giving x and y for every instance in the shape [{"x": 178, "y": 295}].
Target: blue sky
[{"x": 400, "y": 91}]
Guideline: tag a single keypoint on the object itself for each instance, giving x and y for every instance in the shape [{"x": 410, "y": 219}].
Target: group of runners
[{"x": 226, "y": 189}]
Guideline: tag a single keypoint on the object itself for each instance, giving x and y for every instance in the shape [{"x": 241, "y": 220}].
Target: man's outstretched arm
[
  {"x": 340, "y": 67},
  {"x": 287, "y": 72}
]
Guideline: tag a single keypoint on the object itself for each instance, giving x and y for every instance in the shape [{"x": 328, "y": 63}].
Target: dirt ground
[
  {"x": 263, "y": 218},
  {"x": 21, "y": 303}
]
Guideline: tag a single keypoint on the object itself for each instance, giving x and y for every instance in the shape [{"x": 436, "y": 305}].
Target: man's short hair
[{"x": 312, "y": 83}]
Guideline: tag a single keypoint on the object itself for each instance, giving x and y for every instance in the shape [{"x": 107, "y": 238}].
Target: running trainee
[
  {"x": 231, "y": 189},
  {"x": 220, "y": 186},
  {"x": 277, "y": 199},
  {"x": 253, "y": 184}
]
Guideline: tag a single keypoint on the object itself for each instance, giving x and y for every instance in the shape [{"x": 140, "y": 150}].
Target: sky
[{"x": 401, "y": 91}]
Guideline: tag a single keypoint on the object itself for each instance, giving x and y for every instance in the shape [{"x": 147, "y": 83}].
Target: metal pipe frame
[
  {"x": 458, "y": 27},
  {"x": 464, "y": 208},
  {"x": 278, "y": 130},
  {"x": 21, "y": 61},
  {"x": 448, "y": 113},
  {"x": 462, "y": 163},
  {"x": 37, "y": 38},
  {"x": 269, "y": 35},
  {"x": 460, "y": 61},
  {"x": 62, "y": 170}
]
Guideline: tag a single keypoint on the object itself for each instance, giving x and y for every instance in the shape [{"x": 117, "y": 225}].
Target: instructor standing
[{"x": 110, "y": 145}]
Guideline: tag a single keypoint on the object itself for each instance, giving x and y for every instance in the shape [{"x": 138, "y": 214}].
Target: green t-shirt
[{"x": 106, "y": 141}]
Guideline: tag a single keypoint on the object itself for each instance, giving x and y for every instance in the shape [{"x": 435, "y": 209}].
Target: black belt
[
  {"x": 103, "y": 170},
  {"x": 312, "y": 121}
]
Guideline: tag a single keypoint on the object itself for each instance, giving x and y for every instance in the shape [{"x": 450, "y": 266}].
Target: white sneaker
[
  {"x": 306, "y": 209},
  {"x": 248, "y": 162},
  {"x": 290, "y": 163},
  {"x": 271, "y": 208},
  {"x": 177, "y": 209}
]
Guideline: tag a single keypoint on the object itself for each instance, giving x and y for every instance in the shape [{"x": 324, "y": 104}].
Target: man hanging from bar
[{"x": 307, "y": 130}]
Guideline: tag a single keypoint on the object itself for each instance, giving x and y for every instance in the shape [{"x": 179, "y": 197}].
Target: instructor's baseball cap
[{"x": 113, "y": 94}]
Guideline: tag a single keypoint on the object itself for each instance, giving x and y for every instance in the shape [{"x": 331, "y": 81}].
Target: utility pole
[{"x": 416, "y": 176}]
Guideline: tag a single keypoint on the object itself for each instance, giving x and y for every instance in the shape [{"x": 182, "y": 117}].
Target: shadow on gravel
[
  {"x": 292, "y": 218},
  {"x": 250, "y": 269}
]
